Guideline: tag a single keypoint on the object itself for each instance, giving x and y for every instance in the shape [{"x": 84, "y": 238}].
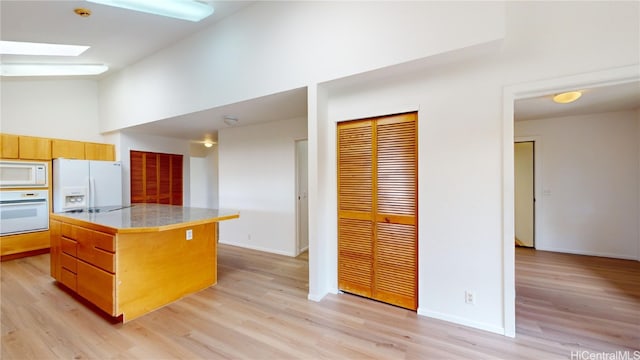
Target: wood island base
[{"x": 130, "y": 272}]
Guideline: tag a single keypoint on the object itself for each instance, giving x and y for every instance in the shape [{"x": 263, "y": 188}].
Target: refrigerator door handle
[{"x": 92, "y": 192}]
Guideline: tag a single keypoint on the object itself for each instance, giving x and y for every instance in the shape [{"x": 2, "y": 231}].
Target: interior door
[
  {"x": 377, "y": 208},
  {"x": 524, "y": 193},
  {"x": 302, "y": 195}
]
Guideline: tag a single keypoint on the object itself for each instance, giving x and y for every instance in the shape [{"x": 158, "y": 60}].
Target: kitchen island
[{"x": 132, "y": 260}]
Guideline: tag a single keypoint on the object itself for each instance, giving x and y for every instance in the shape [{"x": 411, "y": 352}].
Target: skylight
[
  {"x": 42, "y": 49},
  {"x": 180, "y": 9}
]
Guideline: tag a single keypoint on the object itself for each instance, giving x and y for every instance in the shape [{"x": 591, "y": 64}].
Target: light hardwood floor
[{"x": 259, "y": 310}]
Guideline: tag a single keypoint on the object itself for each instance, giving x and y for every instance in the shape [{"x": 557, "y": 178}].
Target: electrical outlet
[
  {"x": 189, "y": 234},
  {"x": 469, "y": 297}
]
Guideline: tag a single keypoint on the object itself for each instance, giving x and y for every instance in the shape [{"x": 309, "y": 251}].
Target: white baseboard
[
  {"x": 462, "y": 321},
  {"x": 316, "y": 297},
  {"x": 272, "y": 251},
  {"x": 590, "y": 253}
]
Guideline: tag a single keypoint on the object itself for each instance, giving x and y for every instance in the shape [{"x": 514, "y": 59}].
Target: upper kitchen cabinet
[
  {"x": 67, "y": 149},
  {"x": 9, "y": 146},
  {"x": 34, "y": 148},
  {"x": 95, "y": 151}
]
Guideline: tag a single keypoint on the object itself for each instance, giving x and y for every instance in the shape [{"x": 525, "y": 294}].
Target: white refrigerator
[{"x": 86, "y": 184}]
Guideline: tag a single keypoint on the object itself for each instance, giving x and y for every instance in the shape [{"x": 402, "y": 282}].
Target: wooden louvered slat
[
  {"x": 396, "y": 264},
  {"x": 137, "y": 176},
  {"x": 164, "y": 179},
  {"x": 355, "y": 255},
  {"x": 156, "y": 178},
  {"x": 396, "y": 177},
  {"x": 151, "y": 181},
  {"x": 176, "y": 179},
  {"x": 377, "y": 209},
  {"x": 355, "y": 167},
  {"x": 355, "y": 205}
]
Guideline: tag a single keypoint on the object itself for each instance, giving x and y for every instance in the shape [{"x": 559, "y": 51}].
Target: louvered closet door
[
  {"x": 377, "y": 208},
  {"x": 355, "y": 207},
  {"x": 396, "y": 260}
]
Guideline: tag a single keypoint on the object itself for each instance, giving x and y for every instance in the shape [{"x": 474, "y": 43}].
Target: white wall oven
[
  {"x": 23, "y": 174},
  {"x": 23, "y": 211}
]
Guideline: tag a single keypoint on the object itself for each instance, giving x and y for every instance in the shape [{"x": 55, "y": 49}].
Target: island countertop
[{"x": 145, "y": 217}]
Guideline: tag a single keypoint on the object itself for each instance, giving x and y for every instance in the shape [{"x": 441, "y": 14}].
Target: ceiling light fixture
[
  {"x": 30, "y": 48},
  {"x": 208, "y": 143},
  {"x": 567, "y": 97},
  {"x": 82, "y": 12},
  {"x": 230, "y": 120},
  {"x": 51, "y": 69},
  {"x": 180, "y": 9}
]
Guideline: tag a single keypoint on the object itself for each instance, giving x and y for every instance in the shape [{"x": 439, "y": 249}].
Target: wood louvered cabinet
[
  {"x": 156, "y": 178},
  {"x": 377, "y": 208}
]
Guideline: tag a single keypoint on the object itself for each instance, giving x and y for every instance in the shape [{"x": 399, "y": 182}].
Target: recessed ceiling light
[
  {"x": 51, "y": 69},
  {"x": 567, "y": 97},
  {"x": 31, "y": 48},
  {"x": 180, "y": 9}
]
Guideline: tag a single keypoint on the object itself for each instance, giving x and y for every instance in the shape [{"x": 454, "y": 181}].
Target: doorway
[
  {"x": 525, "y": 197},
  {"x": 511, "y": 94},
  {"x": 302, "y": 197}
]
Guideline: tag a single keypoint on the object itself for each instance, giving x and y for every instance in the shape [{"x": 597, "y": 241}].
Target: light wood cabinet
[
  {"x": 37, "y": 148},
  {"x": 84, "y": 261},
  {"x": 68, "y": 149},
  {"x": 34, "y": 148},
  {"x": 155, "y": 264},
  {"x": 9, "y": 146},
  {"x": 96, "y": 151},
  {"x": 377, "y": 208},
  {"x": 11, "y": 245}
]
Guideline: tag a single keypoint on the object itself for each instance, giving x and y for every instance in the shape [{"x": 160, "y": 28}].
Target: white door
[
  {"x": 524, "y": 193},
  {"x": 302, "y": 195}
]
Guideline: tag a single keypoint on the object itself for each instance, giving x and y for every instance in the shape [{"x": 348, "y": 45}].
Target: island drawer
[
  {"x": 103, "y": 241},
  {"x": 97, "y": 257},
  {"x": 68, "y": 262},
  {"x": 66, "y": 230},
  {"x": 97, "y": 286},
  {"x": 69, "y": 246},
  {"x": 69, "y": 279}
]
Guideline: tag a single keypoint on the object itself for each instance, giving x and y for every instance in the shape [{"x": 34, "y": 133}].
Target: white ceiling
[
  {"x": 121, "y": 37},
  {"x": 202, "y": 125},
  {"x": 594, "y": 100},
  {"x": 117, "y": 37}
]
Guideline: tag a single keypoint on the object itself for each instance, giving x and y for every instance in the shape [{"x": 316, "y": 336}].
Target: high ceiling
[
  {"x": 121, "y": 37},
  {"x": 117, "y": 37}
]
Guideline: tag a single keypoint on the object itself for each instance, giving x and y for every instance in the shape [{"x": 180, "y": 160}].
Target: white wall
[
  {"x": 273, "y": 46},
  {"x": 141, "y": 142},
  {"x": 460, "y": 146},
  {"x": 204, "y": 176},
  {"x": 257, "y": 177},
  {"x": 63, "y": 109},
  {"x": 589, "y": 166}
]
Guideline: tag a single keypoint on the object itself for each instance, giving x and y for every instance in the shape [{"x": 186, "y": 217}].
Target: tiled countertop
[{"x": 147, "y": 217}]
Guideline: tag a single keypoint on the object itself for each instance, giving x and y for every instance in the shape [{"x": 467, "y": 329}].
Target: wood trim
[{"x": 23, "y": 254}]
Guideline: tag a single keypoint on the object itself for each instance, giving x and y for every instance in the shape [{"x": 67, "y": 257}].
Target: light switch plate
[{"x": 189, "y": 234}]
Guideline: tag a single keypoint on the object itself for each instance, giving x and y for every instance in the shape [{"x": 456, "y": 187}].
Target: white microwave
[{"x": 15, "y": 174}]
